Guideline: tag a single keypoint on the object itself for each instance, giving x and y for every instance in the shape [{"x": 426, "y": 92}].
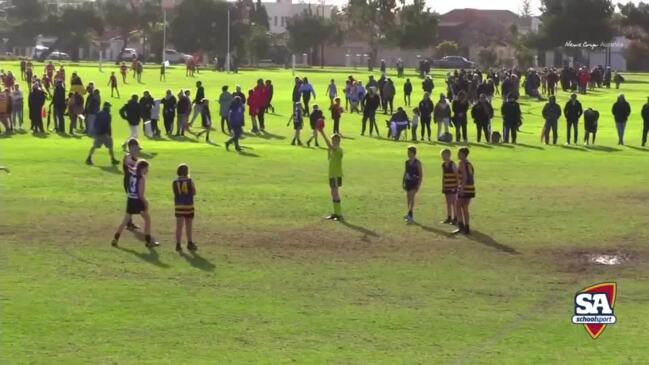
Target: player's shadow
[
  {"x": 148, "y": 156},
  {"x": 112, "y": 169},
  {"x": 641, "y": 149},
  {"x": 357, "y": 228},
  {"x": 503, "y": 145},
  {"x": 197, "y": 261},
  {"x": 479, "y": 145},
  {"x": 604, "y": 148},
  {"x": 529, "y": 146},
  {"x": 571, "y": 147},
  {"x": 486, "y": 240},
  {"x": 267, "y": 135},
  {"x": 151, "y": 256},
  {"x": 434, "y": 230},
  {"x": 247, "y": 154}
]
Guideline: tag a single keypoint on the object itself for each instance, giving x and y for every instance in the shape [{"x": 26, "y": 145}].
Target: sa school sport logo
[{"x": 594, "y": 308}]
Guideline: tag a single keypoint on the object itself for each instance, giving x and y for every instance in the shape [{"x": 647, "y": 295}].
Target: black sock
[
  {"x": 410, "y": 212},
  {"x": 116, "y": 236},
  {"x": 148, "y": 238}
]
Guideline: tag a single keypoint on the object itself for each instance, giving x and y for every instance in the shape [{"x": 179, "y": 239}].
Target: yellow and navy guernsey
[
  {"x": 468, "y": 184},
  {"x": 184, "y": 197},
  {"x": 449, "y": 178}
]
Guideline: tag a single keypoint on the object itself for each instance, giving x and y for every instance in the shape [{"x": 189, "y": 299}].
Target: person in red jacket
[
  {"x": 260, "y": 95},
  {"x": 253, "y": 109},
  {"x": 584, "y": 78}
]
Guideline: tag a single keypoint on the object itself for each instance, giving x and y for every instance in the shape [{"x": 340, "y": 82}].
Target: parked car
[
  {"x": 174, "y": 56},
  {"x": 127, "y": 55},
  {"x": 58, "y": 56},
  {"x": 453, "y": 62}
]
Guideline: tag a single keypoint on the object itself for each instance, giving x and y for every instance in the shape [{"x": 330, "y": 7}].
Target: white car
[{"x": 174, "y": 56}]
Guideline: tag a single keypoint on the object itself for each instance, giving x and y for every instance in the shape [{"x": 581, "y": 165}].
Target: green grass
[{"x": 274, "y": 284}]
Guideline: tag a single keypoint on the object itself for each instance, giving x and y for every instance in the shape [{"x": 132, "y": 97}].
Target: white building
[{"x": 280, "y": 11}]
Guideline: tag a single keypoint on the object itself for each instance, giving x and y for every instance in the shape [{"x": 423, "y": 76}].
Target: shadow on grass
[
  {"x": 571, "y": 147},
  {"x": 148, "y": 156},
  {"x": 197, "y": 261},
  {"x": 40, "y": 135},
  {"x": 151, "y": 256},
  {"x": 267, "y": 135},
  {"x": 434, "y": 230},
  {"x": 604, "y": 148},
  {"x": 503, "y": 145},
  {"x": 486, "y": 240},
  {"x": 641, "y": 149},
  {"x": 363, "y": 230},
  {"x": 112, "y": 169},
  {"x": 247, "y": 154},
  {"x": 479, "y": 145},
  {"x": 530, "y": 146}
]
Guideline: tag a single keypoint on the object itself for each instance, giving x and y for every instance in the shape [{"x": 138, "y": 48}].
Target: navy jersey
[
  {"x": 133, "y": 190},
  {"x": 183, "y": 191},
  {"x": 184, "y": 197}
]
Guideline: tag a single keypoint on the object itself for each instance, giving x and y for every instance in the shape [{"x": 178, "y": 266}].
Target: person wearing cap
[
  {"x": 573, "y": 111},
  {"x": 621, "y": 111},
  {"x": 103, "y": 134}
]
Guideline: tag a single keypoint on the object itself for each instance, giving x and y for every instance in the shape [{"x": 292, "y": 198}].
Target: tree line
[{"x": 201, "y": 26}]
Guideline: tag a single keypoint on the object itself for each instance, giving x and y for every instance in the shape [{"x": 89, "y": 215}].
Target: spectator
[
  {"x": 407, "y": 91},
  {"x": 183, "y": 109},
  {"x": 225, "y": 99},
  {"x": 425, "y": 107},
  {"x": 388, "y": 96},
  {"x": 17, "y": 106},
  {"x": 591, "y": 118},
  {"x": 131, "y": 113},
  {"x": 103, "y": 135},
  {"x": 198, "y": 99},
  {"x": 551, "y": 114},
  {"x": 460, "y": 107},
  {"x": 442, "y": 116},
  {"x": 573, "y": 111},
  {"x": 59, "y": 104},
  {"x": 482, "y": 113},
  {"x": 36, "y": 101},
  {"x": 512, "y": 119},
  {"x": 235, "y": 117},
  {"x": 169, "y": 103},
  {"x": 371, "y": 103},
  {"x": 645, "y": 123},
  {"x": 621, "y": 111}
]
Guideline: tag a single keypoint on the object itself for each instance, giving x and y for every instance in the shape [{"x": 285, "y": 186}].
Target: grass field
[{"x": 273, "y": 283}]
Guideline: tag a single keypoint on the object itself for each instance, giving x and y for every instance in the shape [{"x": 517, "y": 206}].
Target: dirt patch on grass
[{"x": 595, "y": 260}]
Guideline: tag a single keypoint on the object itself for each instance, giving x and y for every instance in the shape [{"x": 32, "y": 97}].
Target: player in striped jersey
[
  {"x": 136, "y": 203},
  {"x": 184, "y": 191},
  {"x": 449, "y": 186},
  {"x": 465, "y": 192}
]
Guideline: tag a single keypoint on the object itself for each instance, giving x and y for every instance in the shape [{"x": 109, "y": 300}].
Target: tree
[
  {"x": 446, "y": 48},
  {"x": 487, "y": 57},
  {"x": 201, "y": 25},
  {"x": 308, "y": 32},
  {"x": 120, "y": 15},
  {"x": 372, "y": 21},
  {"x": 27, "y": 19},
  {"x": 576, "y": 21},
  {"x": 259, "y": 16},
  {"x": 417, "y": 26},
  {"x": 635, "y": 20},
  {"x": 73, "y": 28},
  {"x": 525, "y": 9}
]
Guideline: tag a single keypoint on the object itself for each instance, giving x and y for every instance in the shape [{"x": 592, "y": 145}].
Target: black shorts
[
  {"x": 134, "y": 206},
  {"x": 335, "y": 182},
  {"x": 409, "y": 185}
]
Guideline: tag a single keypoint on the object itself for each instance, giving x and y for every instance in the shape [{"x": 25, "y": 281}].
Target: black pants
[
  {"x": 575, "y": 125},
  {"x": 645, "y": 131},
  {"x": 260, "y": 119},
  {"x": 337, "y": 126},
  {"x": 483, "y": 127},
  {"x": 305, "y": 101},
  {"x": 168, "y": 118},
  {"x": 59, "y": 120},
  {"x": 37, "y": 122},
  {"x": 224, "y": 123},
  {"x": 460, "y": 130},
  {"x": 372, "y": 120},
  {"x": 551, "y": 90},
  {"x": 587, "y": 136},
  {"x": 550, "y": 125},
  {"x": 425, "y": 126},
  {"x": 236, "y": 134},
  {"x": 389, "y": 102}
]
